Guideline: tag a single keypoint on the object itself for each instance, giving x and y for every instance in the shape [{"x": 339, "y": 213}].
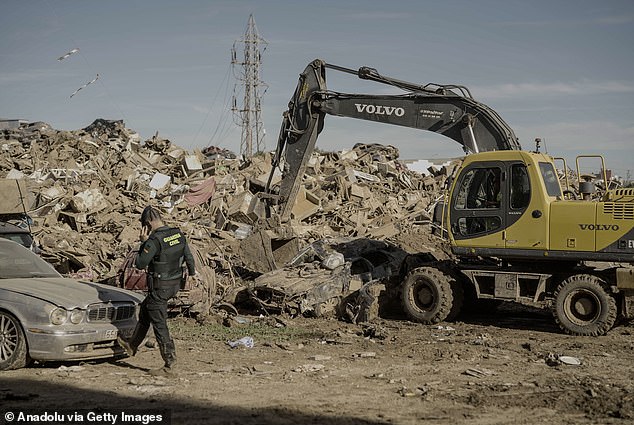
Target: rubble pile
[
  {"x": 88, "y": 187},
  {"x": 368, "y": 192}
]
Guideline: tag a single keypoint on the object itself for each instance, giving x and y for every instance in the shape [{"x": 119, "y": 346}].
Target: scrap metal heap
[{"x": 87, "y": 188}]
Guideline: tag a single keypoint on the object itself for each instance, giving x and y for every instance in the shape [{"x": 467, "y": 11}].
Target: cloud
[{"x": 582, "y": 87}]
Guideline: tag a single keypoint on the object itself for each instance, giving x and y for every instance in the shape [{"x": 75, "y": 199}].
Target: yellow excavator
[{"x": 513, "y": 233}]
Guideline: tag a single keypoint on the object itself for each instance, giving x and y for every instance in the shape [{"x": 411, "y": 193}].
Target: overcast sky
[{"x": 562, "y": 71}]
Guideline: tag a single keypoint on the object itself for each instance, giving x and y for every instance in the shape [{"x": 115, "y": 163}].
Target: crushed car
[
  {"x": 330, "y": 277},
  {"x": 46, "y": 317}
]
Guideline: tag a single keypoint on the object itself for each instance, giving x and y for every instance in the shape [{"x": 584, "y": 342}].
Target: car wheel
[
  {"x": 328, "y": 308},
  {"x": 427, "y": 296},
  {"x": 583, "y": 307},
  {"x": 13, "y": 352}
]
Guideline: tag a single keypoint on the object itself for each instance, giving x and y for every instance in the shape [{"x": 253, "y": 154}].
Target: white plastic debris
[
  {"x": 159, "y": 181},
  {"x": 70, "y": 368},
  {"x": 569, "y": 360},
  {"x": 334, "y": 260},
  {"x": 247, "y": 341}
]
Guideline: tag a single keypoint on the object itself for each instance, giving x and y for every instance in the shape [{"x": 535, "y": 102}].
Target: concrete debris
[{"x": 85, "y": 189}]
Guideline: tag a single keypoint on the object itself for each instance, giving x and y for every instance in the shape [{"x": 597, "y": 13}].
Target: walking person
[{"x": 163, "y": 252}]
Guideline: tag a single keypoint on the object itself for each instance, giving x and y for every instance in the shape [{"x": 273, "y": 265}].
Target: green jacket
[{"x": 164, "y": 253}]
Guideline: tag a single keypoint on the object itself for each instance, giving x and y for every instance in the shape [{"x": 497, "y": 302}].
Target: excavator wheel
[
  {"x": 458, "y": 296},
  {"x": 427, "y": 295},
  {"x": 583, "y": 307}
]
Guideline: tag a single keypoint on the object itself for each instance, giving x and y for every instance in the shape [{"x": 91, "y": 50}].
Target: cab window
[
  {"x": 520, "y": 187},
  {"x": 480, "y": 188},
  {"x": 550, "y": 179},
  {"x": 469, "y": 226}
]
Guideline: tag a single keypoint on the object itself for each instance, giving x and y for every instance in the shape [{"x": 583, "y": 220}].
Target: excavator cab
[{"x": 494, "y": 194}]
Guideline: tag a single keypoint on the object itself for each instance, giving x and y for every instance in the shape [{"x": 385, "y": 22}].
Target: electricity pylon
[{"x": 249, "y": 115}]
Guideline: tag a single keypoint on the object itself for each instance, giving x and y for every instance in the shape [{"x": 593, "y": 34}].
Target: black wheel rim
[
  {"x": 424, "y": 295},
  {"x": 582, "y": 307}
]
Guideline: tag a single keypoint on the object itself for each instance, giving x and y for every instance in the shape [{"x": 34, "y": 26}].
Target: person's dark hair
[{"x": 149, "y": 214}]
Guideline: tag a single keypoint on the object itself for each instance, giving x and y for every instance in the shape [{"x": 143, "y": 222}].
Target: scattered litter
[
  {"x": 365, "y": 354},
  {"x": 315, "y": 367},
  {"x": 246, "y": 341},
  {"x": 376, "y": 376},
  {"x": 444, "y": 328},
  {"x": 573, "y": 361},
  {"x": 552, "y": 360},
  {"x": 70, "y": 368},
  {"x": 416, "y": 392},
  {"x": 241, "y": 320},
  {"x": 478, "y": 373}
]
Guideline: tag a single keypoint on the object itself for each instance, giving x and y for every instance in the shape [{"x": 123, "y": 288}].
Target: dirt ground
[{"x": 495, "y": 368}]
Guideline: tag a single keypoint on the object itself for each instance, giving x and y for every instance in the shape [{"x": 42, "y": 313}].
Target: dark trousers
[{"x": 154, "y": 312}]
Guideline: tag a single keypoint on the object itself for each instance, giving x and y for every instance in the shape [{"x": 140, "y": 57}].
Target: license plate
[{"x": 111, "y": 333}]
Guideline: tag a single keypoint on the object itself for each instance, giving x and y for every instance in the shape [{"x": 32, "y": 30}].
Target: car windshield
[
  {"x": 17, "y": 261},
  {"x": 23, "y": 239}
]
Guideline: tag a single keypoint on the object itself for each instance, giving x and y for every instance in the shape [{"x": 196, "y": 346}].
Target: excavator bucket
[{"x": 266, "y": 250}]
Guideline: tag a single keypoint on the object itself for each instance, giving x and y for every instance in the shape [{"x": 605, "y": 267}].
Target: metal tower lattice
[{"x": 247, "y": 72}]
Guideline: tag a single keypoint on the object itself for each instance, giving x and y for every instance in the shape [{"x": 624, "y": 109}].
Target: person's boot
[
  {"x": 130, "y": 351},
  {"x": 131, "y": 346},
  {"x": 168, "y": 353}
]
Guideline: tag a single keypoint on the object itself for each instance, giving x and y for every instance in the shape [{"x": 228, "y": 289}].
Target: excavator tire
[
  {"x": 583, "y": 307},
  {"x": 458, "y": 295},
  {"x": 427, "y": 296}
]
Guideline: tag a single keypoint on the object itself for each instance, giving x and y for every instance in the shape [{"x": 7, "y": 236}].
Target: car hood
[{"x": 68, "y": 293}]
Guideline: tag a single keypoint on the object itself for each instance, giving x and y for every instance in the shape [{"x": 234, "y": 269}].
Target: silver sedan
[{"x": 46, "y": 317}]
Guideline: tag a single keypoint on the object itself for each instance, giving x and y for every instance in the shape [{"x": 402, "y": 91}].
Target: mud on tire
[
  {"x": 427, "y": 295},
  {"x": 583, "y": 307}
]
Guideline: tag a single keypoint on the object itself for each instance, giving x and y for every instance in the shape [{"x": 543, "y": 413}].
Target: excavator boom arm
[
  {"x": 464, "y": 120},
  {"x": 444, "y": 109}
]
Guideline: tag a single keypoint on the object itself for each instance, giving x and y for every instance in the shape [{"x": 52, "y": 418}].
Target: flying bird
[
  {"x": 85, "y": 85},
  {"x": 72, "y": 52}
]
